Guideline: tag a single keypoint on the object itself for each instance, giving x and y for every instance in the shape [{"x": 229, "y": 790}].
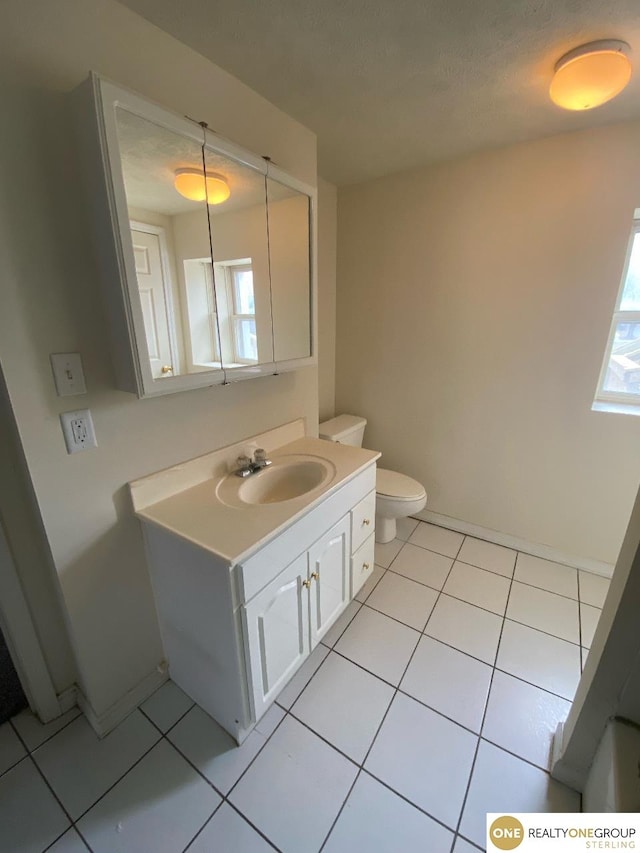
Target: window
[
  {"x": 243, "y": 313},
  {"x": 620, "y": 376}
]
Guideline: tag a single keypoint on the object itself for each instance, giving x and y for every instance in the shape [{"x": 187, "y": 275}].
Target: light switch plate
[
  {"x": 78, "y": 430},
  {"x": 68, "y": 374}
]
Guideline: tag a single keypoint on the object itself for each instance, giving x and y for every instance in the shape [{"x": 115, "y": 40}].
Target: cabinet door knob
[
  {"x": 365, "y": 567},
  {"x": 306, "y": 583},
  {"x": 166, "y": 368},
  {"x": 366, "y": 521},
  {"x": 315, "y": 576}
]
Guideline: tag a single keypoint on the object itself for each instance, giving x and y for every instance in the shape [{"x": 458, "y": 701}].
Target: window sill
[{"x": 615, "y": 408}]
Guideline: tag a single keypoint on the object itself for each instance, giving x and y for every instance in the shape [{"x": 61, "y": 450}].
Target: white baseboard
[
  {"x": 102, "y": 724},
  {"x": 596, "y": 567},
  {"x": 68, "y": 699}
]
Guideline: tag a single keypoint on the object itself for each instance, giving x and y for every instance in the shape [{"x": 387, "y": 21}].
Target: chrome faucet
[{"x": 248, "y": 466}]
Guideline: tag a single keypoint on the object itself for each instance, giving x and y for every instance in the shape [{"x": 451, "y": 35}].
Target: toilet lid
[{"x": 399, "y": 486}]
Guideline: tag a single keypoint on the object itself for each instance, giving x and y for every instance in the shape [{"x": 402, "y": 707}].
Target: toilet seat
[{"x": 399, "y": 487}]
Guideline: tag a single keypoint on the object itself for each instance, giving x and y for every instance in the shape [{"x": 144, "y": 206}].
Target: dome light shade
[
  {"x": 591, "y": 75},
  {"x": 190, "y": 183}
]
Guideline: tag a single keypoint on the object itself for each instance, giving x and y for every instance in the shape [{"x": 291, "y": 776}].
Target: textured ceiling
[
  {"x": 150, "y": 156},
  {"x": 392, "y": 84}
]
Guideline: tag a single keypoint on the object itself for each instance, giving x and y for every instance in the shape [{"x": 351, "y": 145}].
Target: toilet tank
[{"x": 345, "y": 429}]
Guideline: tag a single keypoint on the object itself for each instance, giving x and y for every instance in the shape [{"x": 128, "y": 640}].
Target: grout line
[
  {"x": 340, "y": 810},
  {"x": 484, "y": 716},
  {"x": 51, "y": 736},
  {"x": 393, "y": 698},
  {"x": 207, "y": 821}
]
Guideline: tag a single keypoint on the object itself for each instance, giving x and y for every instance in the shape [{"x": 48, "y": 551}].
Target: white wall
[
  {"x": 327, "y": 237},
  {"x": 50, "y": 303},
  {"x": 474, "y": 301}
]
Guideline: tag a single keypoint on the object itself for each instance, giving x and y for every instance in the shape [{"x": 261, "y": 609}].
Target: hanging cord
[
  {"x": 266, "y": 204},
  {"x": 204, "y": 126}
]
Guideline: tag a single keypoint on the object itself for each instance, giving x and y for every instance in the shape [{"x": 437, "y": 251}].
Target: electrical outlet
[
  {"x": 67, "y": 373},
  {"x": 78, "y": 430}
]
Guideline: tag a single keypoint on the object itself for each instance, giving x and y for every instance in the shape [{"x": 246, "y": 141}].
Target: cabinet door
[
  {"x": 277, "y": 631},
  {"x": 329, "y": 574}
]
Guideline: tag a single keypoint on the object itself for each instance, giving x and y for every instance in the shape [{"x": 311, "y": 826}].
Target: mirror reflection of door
[
  {"x": 154, "y": 286},
  {"x": 170, "y": 238}
]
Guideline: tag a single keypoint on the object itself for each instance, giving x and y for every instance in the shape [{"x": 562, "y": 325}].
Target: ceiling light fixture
[
  {"x": 591, "y": 75},
  {"x": 190, "y": 183}
]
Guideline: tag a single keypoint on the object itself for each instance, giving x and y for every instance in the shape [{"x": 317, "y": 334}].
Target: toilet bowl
[{"x": 397, "y": 496}]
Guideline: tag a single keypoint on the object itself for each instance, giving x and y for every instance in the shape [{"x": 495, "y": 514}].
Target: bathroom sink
[{"x": 287, "y": 478}]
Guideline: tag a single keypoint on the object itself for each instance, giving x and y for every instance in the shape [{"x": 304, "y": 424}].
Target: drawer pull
[
  {"x": 315, "y": 576},
  {"x": 366, "y": 521},
  {"x": 306, "y": 583},
  {"x": 365, "y": 567}
]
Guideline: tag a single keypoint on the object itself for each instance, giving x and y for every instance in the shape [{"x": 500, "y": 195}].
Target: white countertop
[{"x": 198, "y": 515}]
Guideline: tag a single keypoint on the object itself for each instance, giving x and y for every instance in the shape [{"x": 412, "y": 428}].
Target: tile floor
[{"x": 431, "y": 701}]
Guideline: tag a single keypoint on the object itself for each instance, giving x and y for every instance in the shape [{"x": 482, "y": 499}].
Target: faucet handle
[
  {"x": 243, "y": 462},
  {"x": 260, "y": 454}
]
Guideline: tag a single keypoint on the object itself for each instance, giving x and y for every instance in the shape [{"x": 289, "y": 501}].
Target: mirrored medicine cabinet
[{"x": 206, "y": 249}]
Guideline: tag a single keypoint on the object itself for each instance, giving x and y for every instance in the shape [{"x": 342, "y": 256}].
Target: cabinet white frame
[{"x": 96, "y": 103}]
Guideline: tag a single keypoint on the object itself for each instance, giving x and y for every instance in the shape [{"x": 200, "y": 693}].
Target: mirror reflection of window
[
  {"x": 244, "y": 314},
  {"x": 237, "y": 311}
]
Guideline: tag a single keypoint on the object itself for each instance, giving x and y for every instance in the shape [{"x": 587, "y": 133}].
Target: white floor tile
[
  {"x": 584, "y": 654},
  {"x": 523, "y": 719},
  {"x": 449, "y": 681},
  {"x": 405, "y": 527},
  {"x": 376, "y": 820},
  {"x": 404, "y": 600},
  {"x": 345, "y": 705},
  {"x": 593, "y": 589},
  {"x": 11, "y": 750},
  {"x": 503, "y": 783},
  {"x": 214, "y": 752},
  {"x": 379, "y": 644},
  {"x": 367, "y": 588},
  {"x": 589, "y": 617},
  {"x": 465, "y": 627},
  {"x": 542, "y": 660},
  {"x": 487, "y": 555},
  {"x": 341, "y": 624},
  {"x": 294, "y": 789},
  {"x": 422, "y": 566},
  {"x": 70, "y": 842},
  {"x": 438, "y": 539},
  {"x": 303, "y": 676},
  {"x": 159, "y": 805},
  {"x": 227, "y": 832},
  {"x": 545, "y": 611},
  {"x": 478, "y": 586},
  {"x": 167, "y": 705},
  {"x": 386, "y": 552},
  {"x": 463, "y": 846},
  {"x": 431, "y": 766},
  {"x": 34, "y": 733},
  {"x": 546, "y": 574},
  {"x": 30, "y": 817},
  {"x": 80, "y": 767},
  {"x": 270, "y": 720}
]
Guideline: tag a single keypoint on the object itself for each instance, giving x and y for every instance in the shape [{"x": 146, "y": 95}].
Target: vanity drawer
[
  {"x": 363, "y": 520},
  {"x": 362, "y": 564}
]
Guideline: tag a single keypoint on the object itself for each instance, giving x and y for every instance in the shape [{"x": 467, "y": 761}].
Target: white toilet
[{"x": 397, "y": 496}]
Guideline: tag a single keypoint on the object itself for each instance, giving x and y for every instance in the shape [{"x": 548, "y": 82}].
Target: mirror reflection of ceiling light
[
  {"x": 591, "y": 75},
  {"x": 190, "y": 183}
]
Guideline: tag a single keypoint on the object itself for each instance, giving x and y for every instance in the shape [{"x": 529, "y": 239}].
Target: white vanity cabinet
[
  {"x": 234, "y": 632},
  {"x": 285, "y": 621}
]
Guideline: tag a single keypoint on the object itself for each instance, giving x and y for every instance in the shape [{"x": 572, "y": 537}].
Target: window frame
[
  {"x": 619, "y": 398},
  {"x": 235, "y": 317}
]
